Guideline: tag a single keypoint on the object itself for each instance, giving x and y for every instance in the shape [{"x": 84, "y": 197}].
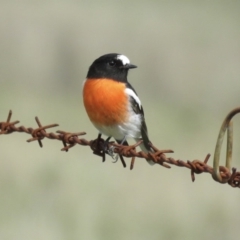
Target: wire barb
[
  {"x": 40, "y": 132},
  {"x": 6, "y": 127},
  {"x": 98, "y": 146}
]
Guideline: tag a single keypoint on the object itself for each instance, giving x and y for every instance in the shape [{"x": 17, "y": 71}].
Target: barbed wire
[{"x": 220, "y": 174}]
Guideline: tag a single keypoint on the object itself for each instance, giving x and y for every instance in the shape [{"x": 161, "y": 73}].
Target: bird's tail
[
  {"x": 145, "y": 147},
  {"x": 146, "y": 150}
]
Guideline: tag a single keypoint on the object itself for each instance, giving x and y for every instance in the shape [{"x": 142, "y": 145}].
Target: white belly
[{"x": 131, "y": 128}]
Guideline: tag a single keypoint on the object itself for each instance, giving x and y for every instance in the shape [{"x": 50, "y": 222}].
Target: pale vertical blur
[{"x": 188, "y": 78}]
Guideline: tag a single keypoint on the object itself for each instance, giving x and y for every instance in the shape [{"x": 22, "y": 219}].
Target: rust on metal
[
  {"x": 219, "y": 173},
  {"x": 222, "y": 174}
]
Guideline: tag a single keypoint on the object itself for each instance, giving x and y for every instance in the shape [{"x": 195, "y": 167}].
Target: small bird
[{"x": 112, "y": 104}]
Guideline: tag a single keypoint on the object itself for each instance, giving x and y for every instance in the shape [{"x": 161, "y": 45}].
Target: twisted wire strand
[{"x": 70, "y": 140}]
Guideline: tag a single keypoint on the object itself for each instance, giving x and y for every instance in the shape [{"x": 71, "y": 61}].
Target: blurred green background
[{"x": 188, "y": 58}]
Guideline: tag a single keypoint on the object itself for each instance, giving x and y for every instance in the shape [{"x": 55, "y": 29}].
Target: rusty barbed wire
[{"x": 219, "y": 173}]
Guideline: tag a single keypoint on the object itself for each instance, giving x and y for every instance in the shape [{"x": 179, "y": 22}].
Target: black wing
[{"x": 138, "y": 109}]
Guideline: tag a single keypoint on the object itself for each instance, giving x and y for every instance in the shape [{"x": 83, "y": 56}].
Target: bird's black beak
[{"x": 129, "y": 66}]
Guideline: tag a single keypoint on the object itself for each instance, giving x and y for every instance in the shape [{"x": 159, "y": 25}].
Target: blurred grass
[{"x": 188, "y": 55}]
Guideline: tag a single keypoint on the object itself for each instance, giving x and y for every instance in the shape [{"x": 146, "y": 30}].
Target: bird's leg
[
  {"x": 99, "y": 139},
  {"x": 105, "y": 148},
  {"x": 105, "y": 145},
  {"x": 112, "y": 150},
  {"x": 124, "y": 139}
]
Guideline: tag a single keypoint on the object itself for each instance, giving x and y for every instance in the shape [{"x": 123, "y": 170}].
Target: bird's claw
[{"x": 111, "y": 153}]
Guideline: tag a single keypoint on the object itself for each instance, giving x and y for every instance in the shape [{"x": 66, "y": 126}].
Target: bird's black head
[{"x": 114, "y": 66}]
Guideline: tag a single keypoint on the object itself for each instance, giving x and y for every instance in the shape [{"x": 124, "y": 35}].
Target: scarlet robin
[{"x": 112, "y": 104}]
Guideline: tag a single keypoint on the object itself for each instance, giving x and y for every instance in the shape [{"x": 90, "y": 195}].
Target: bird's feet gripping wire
[
  {"x": 101, "y": 147},
  {"x": 110, "y": 150}
]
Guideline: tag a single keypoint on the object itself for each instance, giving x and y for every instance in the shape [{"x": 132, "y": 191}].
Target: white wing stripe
[{"x": 131, "y": 93}]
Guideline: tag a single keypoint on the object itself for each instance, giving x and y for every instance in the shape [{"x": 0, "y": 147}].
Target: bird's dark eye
[{"x": 112, "y": 63}]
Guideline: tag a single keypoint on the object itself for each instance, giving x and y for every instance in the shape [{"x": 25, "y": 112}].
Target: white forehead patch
[{"x": 124, "y": 59}]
